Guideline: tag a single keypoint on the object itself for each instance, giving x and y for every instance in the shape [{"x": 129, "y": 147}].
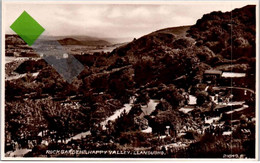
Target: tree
[
  {"x": 163, "y": 105},
  {"x": 202, "y": 97}
]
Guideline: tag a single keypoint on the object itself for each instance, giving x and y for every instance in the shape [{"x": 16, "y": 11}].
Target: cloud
[{"x": 112, "y": 20}]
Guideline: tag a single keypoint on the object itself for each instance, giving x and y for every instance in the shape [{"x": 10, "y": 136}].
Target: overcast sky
[{"x": 110, "y": 20}]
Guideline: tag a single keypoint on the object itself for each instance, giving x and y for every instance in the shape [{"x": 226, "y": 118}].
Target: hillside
[
  {"x": 230, "y": 34},
  {"x": 171, "y": 38},
  {"x": 14, "y": 40},
  {"x": 189, "y": 50}
]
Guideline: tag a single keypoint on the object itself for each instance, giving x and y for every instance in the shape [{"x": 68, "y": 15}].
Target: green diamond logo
[{"x": 27, "y": 28}]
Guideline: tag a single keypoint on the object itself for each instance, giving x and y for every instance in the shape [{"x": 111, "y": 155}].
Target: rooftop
[
  {"x": 213, "y": 72},
  {"x": 233, "y": 75}
]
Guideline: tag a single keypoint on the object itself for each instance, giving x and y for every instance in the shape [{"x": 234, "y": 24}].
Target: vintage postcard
[{"x": 129, "y": 80}]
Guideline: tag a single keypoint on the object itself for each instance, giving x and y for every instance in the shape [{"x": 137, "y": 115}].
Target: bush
[{"x": 31, "y": 66}]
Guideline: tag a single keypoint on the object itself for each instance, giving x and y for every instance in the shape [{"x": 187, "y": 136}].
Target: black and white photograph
[{"x": 129, "y": 80}]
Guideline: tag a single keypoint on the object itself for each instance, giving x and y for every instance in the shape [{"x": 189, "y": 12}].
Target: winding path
[{"x": 247, "y": 89}]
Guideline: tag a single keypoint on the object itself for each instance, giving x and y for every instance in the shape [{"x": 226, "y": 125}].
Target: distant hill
[
  {"x": 12, "y": 39},
  {"x": 111, "y": 40},
  {"x": 72, "y": 41},
  {"x": 91, "y": 40}
]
